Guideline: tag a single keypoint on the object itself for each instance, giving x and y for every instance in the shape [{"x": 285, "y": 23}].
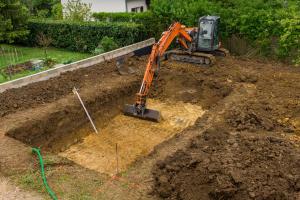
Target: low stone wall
[{"x": 76, "y": 65}]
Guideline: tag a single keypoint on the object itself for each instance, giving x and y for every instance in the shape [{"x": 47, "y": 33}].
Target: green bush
[
  {"x": 124, "y": 17},
  {"x": 152, "y": 25},
  {"x": 105, "y": 45},
  {"x": 57, "y": 11},
  {"x": 76, "y": 10},
  {"x": 272, "y": 26},
  {"x": 84, "y": 36},
  {"x": 13, "y": 20}
]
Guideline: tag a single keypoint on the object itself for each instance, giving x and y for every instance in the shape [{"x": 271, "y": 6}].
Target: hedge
[
  {"x": 123, "y": 17},
  {"x": 152, "y": 25},
  {"x": 270, "y": 26},
  {"x": 84, "y": 36}
]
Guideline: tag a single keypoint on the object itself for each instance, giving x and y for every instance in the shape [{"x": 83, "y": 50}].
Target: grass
[
  {"x": 20, "y": 75},
  {"x": 65, "y": 178},
  {"x": 28, "y": 53},
  {"x": 14, "y": 54}
]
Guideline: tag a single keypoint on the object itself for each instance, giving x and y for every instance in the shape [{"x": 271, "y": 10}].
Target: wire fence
[{"x": 9, "y": 56}]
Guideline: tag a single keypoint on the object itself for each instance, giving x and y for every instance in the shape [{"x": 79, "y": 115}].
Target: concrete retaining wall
[{"x": 41, "y": 76}]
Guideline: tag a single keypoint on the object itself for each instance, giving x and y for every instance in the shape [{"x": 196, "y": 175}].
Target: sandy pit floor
[{"x": 135, "y": 138}]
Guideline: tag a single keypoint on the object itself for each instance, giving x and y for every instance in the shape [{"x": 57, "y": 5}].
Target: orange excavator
[{"x": 198, "y": 45}]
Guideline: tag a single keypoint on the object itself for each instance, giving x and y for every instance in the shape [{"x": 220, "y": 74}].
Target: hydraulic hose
[{"x": 51, "y": 193}]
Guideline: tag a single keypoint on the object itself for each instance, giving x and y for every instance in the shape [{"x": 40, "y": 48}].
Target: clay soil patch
[{"x": 135, "y": 138}]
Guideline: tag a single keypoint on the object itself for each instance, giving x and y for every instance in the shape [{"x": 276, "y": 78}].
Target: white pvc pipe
[{"x": 87, "y": 113}]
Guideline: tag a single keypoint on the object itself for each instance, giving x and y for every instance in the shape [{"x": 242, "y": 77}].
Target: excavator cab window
[{"x": 208, "y": 33}]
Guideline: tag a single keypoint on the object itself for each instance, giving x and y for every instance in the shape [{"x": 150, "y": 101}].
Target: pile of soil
[
  {"x": 191, "y": 84},
  {"x": 251, "y": 116},
  {"x": 231, "y": 165},
  {"x": 248, "y": 152}
]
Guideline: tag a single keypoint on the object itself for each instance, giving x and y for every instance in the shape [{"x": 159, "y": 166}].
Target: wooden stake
[
  {"x": 87, "y": 113},
  {"x": 17, "y": 57},
  {"x": 11, "y": 63},
  {"x": 117, "y": 158}
]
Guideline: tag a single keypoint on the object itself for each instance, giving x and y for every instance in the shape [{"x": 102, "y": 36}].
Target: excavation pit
[
  {"x": 134, "y": 137},
  {"x": 182, "y": 94}
]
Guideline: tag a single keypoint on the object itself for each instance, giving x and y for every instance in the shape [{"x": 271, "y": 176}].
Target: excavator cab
[{"x": 208, "y": 31}]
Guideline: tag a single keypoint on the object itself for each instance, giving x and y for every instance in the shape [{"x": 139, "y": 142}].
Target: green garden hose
[{"x": 51, "y": 193}]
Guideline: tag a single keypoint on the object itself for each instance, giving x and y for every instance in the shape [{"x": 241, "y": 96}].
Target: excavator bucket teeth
[{"x": 151, "y": 115}]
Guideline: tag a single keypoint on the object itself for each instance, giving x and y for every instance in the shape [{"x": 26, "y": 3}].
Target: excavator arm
[{"x": 153, "y": 65}]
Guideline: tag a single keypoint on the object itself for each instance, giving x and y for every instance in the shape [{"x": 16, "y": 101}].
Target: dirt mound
[
  {"x": 251, "y": 116},
  {"x": 190, "y": 84},
  {"x": 223, "y": 165}
]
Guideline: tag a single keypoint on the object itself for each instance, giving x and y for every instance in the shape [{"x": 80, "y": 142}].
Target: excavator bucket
[{"x": 151, "y": 115}]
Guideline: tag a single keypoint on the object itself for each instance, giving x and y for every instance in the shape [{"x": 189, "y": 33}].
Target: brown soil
[
  {"x": 247, "y": 152},
  {"x": 11, "y": 192},
  {"x": 226, "y": 165},
  {"x": 135, "y": 138},
  {"x": 41, "y": 93},
  {"x": 245, "y": 146}
]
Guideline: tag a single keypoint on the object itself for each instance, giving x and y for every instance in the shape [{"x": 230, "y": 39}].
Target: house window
[{"x": 137, "y": 9}]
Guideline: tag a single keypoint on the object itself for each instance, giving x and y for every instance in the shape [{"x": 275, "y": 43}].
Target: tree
[
  {"x": 45, "y": 42},
  {"x": 40, "y": 8},
  {"x": 57, "y": 11},
  {"x": 13, "y": 18},
  {"x": 75, "y": 10}
]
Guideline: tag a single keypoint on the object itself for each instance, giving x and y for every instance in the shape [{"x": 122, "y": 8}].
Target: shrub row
[
  {"x": 123, "y": 17},
  {"x": 273, "y": 26},
  {"x": 84, "y": 36},
  {"x": 153, "y": 25}
]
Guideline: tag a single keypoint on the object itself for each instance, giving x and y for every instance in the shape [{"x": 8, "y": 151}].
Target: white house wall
[
  {"x": 105, "y": 5},
  {"x": 136, "y": 3}
]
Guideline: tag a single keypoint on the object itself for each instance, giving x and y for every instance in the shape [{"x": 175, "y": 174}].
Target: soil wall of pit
[
  {"x": 55, "y": 112},
  {"x": 53, "y": 131}
]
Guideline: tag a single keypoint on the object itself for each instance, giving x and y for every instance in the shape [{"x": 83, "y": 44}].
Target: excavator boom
[{"x": 139, "y": 108}]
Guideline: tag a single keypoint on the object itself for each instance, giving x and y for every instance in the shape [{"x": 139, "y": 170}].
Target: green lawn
[
  {"x": 13, "y": 54},
  {"x": 28, "y": 53}
]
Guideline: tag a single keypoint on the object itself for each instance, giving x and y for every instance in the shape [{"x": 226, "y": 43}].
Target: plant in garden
[
  {"x": 45, "y": 42},
  {"x": 75, "y": 10},
  {"x": 42, "y": 13},
  {"x": 57, "y": 11},
  {"x": 40, "y": 8},
  {"x": 13, "y": 19},
  {"x": 49, "y": 62},
  {"x": 105, "y": 45}
]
